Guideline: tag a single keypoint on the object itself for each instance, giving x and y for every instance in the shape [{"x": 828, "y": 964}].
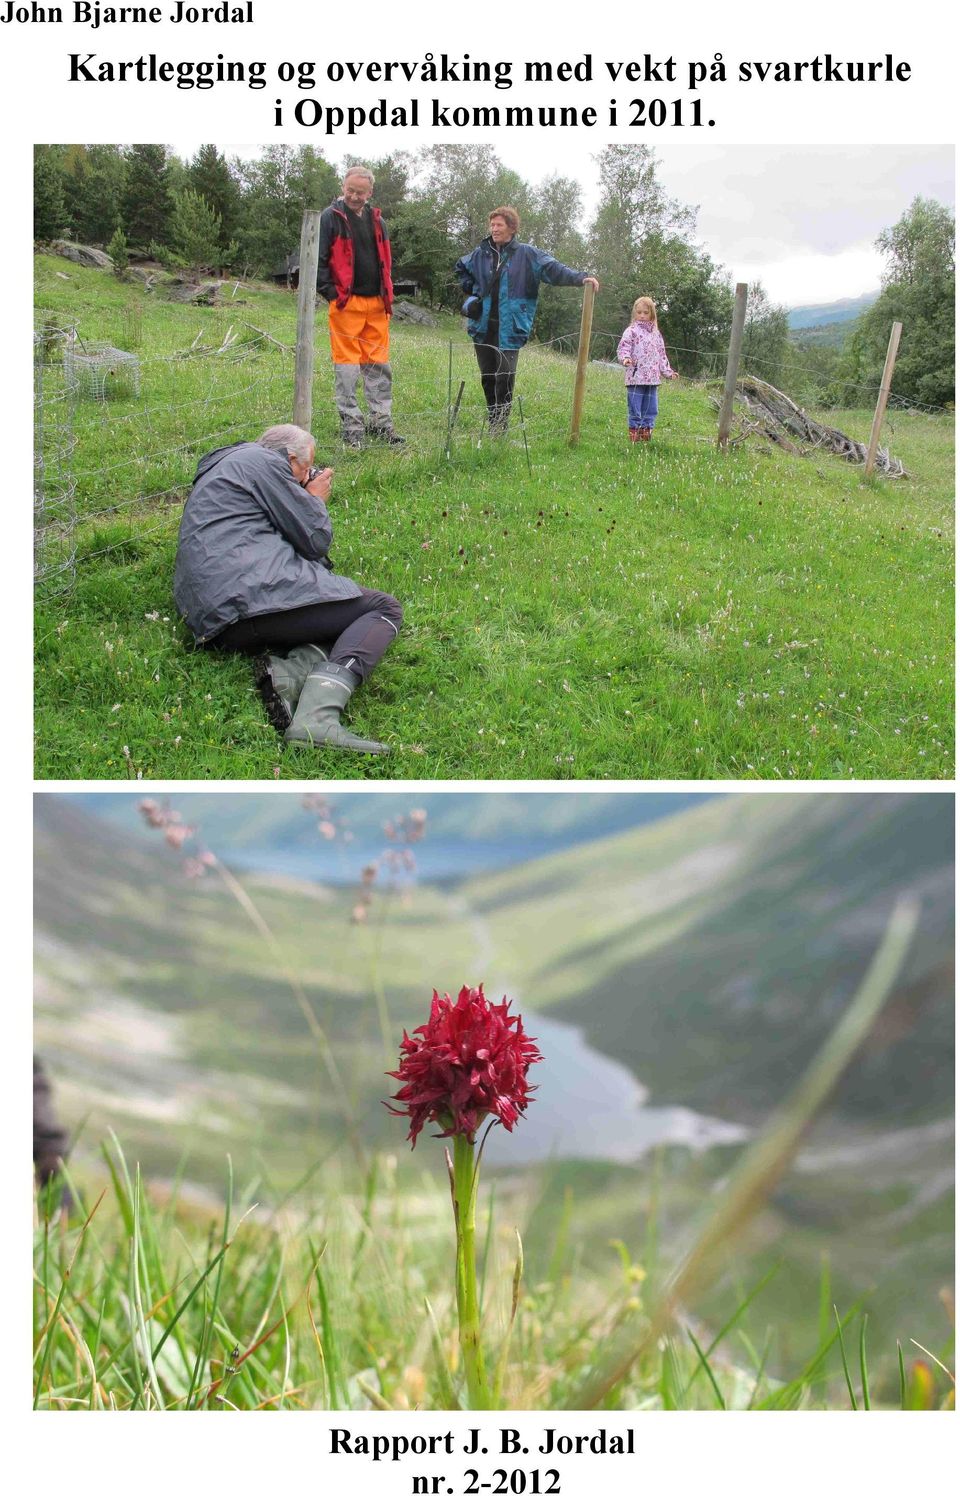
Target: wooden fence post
[
  {"x": 306, "y": 319},
  {"x": 583, "y": 353},
  {"x": 885, "y": 383},
  {"x": 733, "y": 363}
]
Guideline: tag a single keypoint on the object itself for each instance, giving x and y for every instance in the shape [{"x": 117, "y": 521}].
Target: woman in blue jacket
[{"x": 502, "y": 279}]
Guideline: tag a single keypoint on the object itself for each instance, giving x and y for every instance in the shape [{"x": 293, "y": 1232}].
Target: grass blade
[
  {"x": 903, "y": 1378},
  {"x": 123, "y": 1198},
  {"x": 143, "y": 1334},
  {"x": 708, "y": 1369},
  {"x": 504, "y": 1349},
  {"x": 826, "y": 1297},
  {"x": 671, "y": 1377},
  {"x": 206, "y": 1333},
  {"x": 843, "y": 1357},
  {"x": 331, "y": 1353},
  {"x": 864, "y": 1386},
  {"x": 50, "y": 1326},
  {"x": 761, "y": 1367},
  {"x": 449, "y": 1399},
  {"x": 725, "y": 1329},
  {"x": 934, "y": 1359},
  {"x": 765, "y": 1162},
  {"x": 815, "y": 1370}
]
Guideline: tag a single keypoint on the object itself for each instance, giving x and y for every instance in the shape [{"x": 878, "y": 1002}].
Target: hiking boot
[
  {"x": 388, "y": 435},
  {"x": 645, "y": 433},
  {"x": 316, "y": 721},
  {"x": 352, "y": 443},
  {"x": 634, "y": 433},
  {"x": 280, "y": 679}
]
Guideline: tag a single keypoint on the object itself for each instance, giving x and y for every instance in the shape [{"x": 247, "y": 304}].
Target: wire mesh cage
[{"x": 98, "y": 371}]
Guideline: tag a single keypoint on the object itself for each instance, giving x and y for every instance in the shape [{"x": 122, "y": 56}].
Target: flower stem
[{"x": 465, "y": 1213}]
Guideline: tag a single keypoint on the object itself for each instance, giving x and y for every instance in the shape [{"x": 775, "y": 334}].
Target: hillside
[
  {"x": 830, "y": 335},
  {"x": 467, "y": 832},
  {"x": 713, "y": 952},
  {"x": 608, "y": 613},
  {"x": 746, "y": 923},
  {"x": 847, "y": 309}
]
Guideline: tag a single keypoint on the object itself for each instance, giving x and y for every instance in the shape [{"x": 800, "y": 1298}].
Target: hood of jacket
[{"x": 211, "y": 459}]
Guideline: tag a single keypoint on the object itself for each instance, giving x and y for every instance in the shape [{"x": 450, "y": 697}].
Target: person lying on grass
[{"x": 253, "y": 574}]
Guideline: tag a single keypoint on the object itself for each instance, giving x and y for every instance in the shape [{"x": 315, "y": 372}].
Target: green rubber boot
[
  {"x": 326, "y": 692},
  {"x": 280, "y": 679}
]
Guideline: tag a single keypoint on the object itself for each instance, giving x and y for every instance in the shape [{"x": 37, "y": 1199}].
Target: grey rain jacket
[{"x": 251, "y": 541}]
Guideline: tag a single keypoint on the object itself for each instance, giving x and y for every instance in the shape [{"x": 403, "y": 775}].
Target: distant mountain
[
  {"x": 845, "y": 310},
  {"x": 714, "y": 952},
  {"x": 710, "y": 952},
  {"x": 466, "y": 832}
]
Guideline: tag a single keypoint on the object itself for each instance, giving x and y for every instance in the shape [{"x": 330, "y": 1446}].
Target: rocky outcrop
[
  {"x": 408, "y": 311},
  {"x": 83, "y": 254}
]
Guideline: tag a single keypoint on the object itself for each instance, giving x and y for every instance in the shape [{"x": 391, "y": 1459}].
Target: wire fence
[
  {"x": 115, "y": 458},
  {"x": 112, "y": 458},
  {"x": 54, "y": 483},
  {"x": 711, "y": 364}
]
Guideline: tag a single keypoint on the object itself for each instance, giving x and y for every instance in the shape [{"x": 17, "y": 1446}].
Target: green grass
[
  {"x": 623, "y": 612},
  {"x": 340, "y": 1296}
]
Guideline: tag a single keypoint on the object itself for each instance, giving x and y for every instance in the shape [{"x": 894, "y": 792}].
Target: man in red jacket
[{"x": 354, "y": 277}]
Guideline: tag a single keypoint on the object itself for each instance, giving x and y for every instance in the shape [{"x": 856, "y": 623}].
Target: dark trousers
[
  {"x": 498, "y": 370},
  {"x": 361, "y": 628}
]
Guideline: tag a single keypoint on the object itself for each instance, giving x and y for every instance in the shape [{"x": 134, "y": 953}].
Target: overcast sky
[{"x": 801, "y": 219}]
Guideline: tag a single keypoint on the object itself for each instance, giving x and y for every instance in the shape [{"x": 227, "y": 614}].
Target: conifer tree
[
  {"x": 49, "y": 203},
  {"x": 196, "y": 231},
  {"x": 147, "y": 202},
  {"x": 210, "y": 175},
  {"x": 94, "y": 182}
]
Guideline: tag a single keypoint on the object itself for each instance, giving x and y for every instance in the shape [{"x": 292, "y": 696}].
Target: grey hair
[
  {"x": 360, "y": 171},
  {"x": 290, "y": 439}
]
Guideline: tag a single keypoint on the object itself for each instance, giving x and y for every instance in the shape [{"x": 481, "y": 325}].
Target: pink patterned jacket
[{"x": 642, "y": 344}]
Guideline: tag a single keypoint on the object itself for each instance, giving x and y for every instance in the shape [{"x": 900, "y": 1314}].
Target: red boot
[
  {"x": 645, "y": 433},
  {"x": 634, "y": 433}
]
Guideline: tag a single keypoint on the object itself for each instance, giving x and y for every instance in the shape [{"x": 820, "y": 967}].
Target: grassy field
[
  {"x": 340, "y": 1297},
  {"x": 617, "y": 612}
]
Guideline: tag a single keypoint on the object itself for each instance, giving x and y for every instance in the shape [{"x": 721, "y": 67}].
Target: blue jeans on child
[{"x": 641, "y": 405}]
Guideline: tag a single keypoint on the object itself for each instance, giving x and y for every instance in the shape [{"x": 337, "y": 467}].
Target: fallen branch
[
  {"x": 287, "y": 347},
  {"x": 771, "y": 413}
]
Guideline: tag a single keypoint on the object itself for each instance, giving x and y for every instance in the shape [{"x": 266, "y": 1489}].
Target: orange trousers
[{"x": 360, "y": 334}]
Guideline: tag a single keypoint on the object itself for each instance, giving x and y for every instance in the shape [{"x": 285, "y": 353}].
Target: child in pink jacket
[{"x": 644, "y": 357}]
